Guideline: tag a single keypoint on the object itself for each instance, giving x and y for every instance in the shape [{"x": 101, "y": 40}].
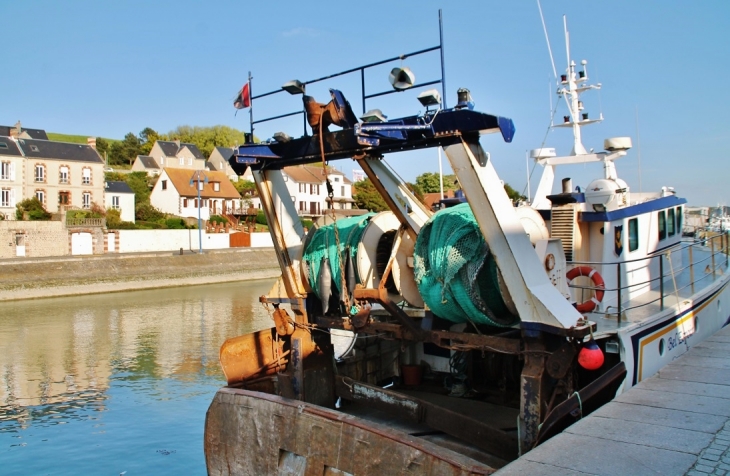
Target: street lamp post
[{"x": 199, "y": 185}]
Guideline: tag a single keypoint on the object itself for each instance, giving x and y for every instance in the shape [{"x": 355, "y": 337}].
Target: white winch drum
[
  {"x": 373, "y": 253},
  {"x": 532, "y": 222}
]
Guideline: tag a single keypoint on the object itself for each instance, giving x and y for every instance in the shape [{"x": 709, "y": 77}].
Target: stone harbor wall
[{"x": 32, "y": 278}]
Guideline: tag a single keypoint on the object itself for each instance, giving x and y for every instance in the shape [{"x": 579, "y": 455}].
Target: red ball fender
[{"x": 598, "y": 283}]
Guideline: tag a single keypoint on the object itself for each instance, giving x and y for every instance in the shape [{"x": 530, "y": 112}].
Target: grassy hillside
[{"x": 72, "y": 138}]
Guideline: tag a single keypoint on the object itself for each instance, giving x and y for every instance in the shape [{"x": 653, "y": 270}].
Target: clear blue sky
[{"x": 108, "y": 68}]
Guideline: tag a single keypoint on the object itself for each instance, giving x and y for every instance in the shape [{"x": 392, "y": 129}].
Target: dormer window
[{"x": 216, "y": 186}]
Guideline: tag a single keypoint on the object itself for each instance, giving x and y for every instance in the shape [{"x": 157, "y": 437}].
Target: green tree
[
  {"x": 513, "y": 194},
  {"x": 429, "y": 182},
  {"x": 207, "y": 138},
  {"x": 102, "y": 147},
  {"x": 147, "y": 139},
  {"x": 146, "y": 212},
  {"x": 367, "y": 197},
  {"x": 139, "y": 183},
  {"x": 31, "y": 209},
  {"x": 124, "y": 152},
  {"x": 245, "y": 188}
]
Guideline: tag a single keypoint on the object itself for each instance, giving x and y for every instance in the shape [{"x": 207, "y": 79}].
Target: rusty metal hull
[{"x": 253, "y": 433}]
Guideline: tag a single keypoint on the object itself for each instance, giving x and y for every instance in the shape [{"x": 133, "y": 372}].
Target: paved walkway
[{"x": 674, "y": 423}]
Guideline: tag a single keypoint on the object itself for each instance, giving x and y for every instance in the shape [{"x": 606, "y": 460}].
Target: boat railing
[{"x": 715, "y": 245}]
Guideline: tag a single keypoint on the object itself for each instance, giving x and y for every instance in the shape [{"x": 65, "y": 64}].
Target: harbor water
[{"x": 116, "y": 383}]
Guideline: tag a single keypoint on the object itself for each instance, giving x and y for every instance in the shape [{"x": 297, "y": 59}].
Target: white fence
[
  {"x": 131, "y": 241},
  {"x": 135, "y": 241}
]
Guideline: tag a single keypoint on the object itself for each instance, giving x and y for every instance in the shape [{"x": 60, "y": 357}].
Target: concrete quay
[{"x": 674, "y": 423}]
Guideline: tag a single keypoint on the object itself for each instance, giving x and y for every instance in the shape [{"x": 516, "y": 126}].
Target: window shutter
[
  {"x": 12, "y": 170},
  {"x": 12, "y": 197}
]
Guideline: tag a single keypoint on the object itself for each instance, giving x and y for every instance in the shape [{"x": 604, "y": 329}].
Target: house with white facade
[
  {"x": 11, "y": 177},
  {"x": 308, "y": 188},
  {"x": 62, "y": 175},
  {"x": 175, "y": 154},
  {"x": 176, "y": 192},
  {"x": 118, "y": 196},
  {"x": 145, "y": 163},
  {"x": 219, "y": 160}
]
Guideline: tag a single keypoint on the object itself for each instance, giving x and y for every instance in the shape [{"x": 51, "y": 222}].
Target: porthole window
[{"x": 661, "y": 347}]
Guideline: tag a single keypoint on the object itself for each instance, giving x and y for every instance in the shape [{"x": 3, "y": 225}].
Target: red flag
[{"x": 243, "y": 99}]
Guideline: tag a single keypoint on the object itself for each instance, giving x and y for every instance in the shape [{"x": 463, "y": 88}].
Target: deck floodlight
[
  {"x": 430, "y": 98},
  {"x": 402, "y": 78},
  {"x": 464, "y": 99},
  {"x": 374, "y": 115},
  {"x": 294, "y": 87}
]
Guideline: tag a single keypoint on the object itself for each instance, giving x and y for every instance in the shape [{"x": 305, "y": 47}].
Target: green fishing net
[
  {"x": 323, "y": 243},
  {"x": 455, "y": 272}
]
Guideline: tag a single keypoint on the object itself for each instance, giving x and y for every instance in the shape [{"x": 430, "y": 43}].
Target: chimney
[
  {"x": 177, "y": 142},
  {"x": 92, "y": 142},
  {"x": 15, "y": 131}
]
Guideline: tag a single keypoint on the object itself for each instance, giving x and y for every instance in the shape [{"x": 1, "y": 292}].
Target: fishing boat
[{"x": 451, "y": 342}]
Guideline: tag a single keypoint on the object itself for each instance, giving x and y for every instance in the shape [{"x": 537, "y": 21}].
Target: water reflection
[{"x": 80, "y": 358}]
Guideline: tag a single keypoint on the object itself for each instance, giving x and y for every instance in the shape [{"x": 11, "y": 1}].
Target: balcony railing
[{"x": 98, "y": 222}]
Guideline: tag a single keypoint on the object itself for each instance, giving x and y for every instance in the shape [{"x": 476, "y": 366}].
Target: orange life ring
[{"x": 598, "y": 283}]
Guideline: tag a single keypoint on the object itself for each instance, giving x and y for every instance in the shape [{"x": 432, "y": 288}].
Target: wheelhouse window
[
  {"x": 662, "y": 225},
  {"x": 633, "y": 234},
  {"x": 679, "y": 219},
  {"x": 86, "y": 176},
  {"x": 40, "y": 173},
  {"x": 670, "y": 222},
  {"x": 63, "y": 174}
]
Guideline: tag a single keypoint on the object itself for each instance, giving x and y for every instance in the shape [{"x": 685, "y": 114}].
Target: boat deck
[
  {"x": 678, "y": 290},
  {"x": 674, "y": 423}
]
